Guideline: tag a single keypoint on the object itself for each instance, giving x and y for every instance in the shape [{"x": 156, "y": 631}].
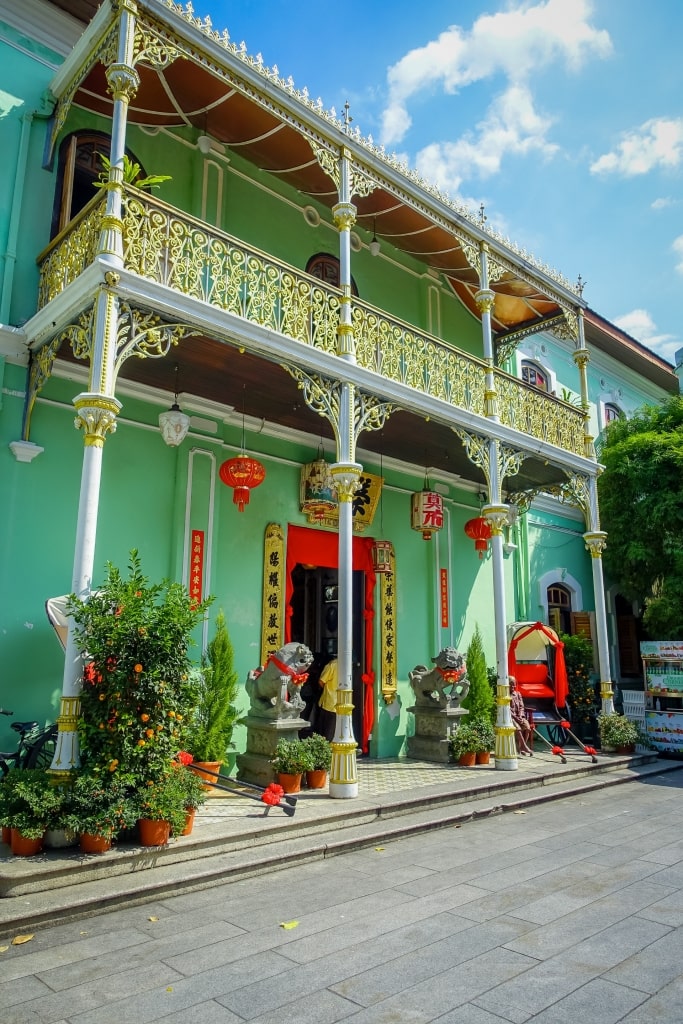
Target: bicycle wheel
[{"x": 42, "y": 749}]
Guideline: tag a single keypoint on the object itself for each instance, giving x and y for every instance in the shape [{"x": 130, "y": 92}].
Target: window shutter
[{"x": 583, "y": 624}]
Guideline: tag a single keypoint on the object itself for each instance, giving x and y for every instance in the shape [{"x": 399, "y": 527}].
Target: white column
[
  {"x": 346, "y": 473},
  {"x": 595, "y": 540}
]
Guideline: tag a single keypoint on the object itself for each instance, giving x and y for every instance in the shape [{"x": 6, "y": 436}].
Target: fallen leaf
[
  {"x": 289, "y": 924},
  {"x": 3, "y": 949},
  {"x": 519, "y": 812},
  {"x": 19, "y": 939},
  {"x": 379, "y": 849},
  {"x": 169, "y": 988},
  {"x": 152, "y": 918}
]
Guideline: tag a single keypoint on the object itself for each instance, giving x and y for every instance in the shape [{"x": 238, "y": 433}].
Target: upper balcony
[{"x": 196, "y": 260}]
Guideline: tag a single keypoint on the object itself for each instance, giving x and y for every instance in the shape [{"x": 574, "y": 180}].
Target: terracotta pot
[
  {"x": 467, "y": 760},
  {"x": 189, "y": 820},
  {"x": 89, "y": 843},
  {"x": 209, "y": 766},
  {"x": 483, "y": 756},
  {"x": 628, "y": 748},
  {"x": 153, "y": 833},
  {"x": 317, "y": 778},
  {"x": 290, "y": 783},
  {"x": 22, "y": 847},
  {"x": 6, "y": 834}
]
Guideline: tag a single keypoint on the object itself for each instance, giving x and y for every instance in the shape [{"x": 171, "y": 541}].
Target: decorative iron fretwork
[
  {"x": 152, "y": 49},
  {"x": 273, "y": 608},
  {"x": 478, "y": 451},
  {"x": 575, "y": 491},
  {"x": 507, "y": 344},
  {"x": 509, "y": 461},
  {"x": 73, "y": 251},
  {"x": 567, "y": 329},
  {"x": 42, "y": 362},
  {"x": 522, "y": 500},
  {"x": 387, "y": 630},
  {"x": 146, "y": 335},
  {"x": 327, "y": 158},
  {"x": 541, "y": 415}
]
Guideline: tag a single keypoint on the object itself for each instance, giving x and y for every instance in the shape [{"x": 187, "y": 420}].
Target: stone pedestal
[
  {"x": 433, "y": 728},
  {"x": 262, "y": 739}
]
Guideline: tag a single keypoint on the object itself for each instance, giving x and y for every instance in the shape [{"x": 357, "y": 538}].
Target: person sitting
[{"x": 519, "y": 719}]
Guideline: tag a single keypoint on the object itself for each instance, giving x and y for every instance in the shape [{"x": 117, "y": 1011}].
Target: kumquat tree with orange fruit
[{"x": 137, "y": 681}]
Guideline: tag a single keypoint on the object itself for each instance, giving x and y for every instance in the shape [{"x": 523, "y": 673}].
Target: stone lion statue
[
  {"x": 428, "y": 685},
  {"x": 275, "y": 691}
]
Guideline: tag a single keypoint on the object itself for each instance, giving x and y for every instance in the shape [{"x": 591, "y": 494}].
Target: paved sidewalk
[{"x": 570, "y": 910}]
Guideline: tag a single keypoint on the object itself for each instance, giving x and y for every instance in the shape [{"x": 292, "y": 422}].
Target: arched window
[
  {"x": 79, "y": 167},
  {"x": 559, "y": 608},
  {"x": 534, "y": 375},
  {"x": 325, "y": 267},
  {"x": 612, "y": 413}
]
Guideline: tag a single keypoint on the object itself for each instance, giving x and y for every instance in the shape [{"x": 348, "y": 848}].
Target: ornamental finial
[{"x": 347, "y": 117}]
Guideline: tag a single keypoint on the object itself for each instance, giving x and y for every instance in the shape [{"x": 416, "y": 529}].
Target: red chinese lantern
[
  {"x": 480, "y": 532},
  {"x": 242, "y": 473}
]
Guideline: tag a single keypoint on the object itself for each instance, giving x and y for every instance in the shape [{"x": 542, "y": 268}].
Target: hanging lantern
[
  {"x": 174, "y": 424},
  {"x": 242, "y": 473},
  {"x": 480, "y": 532},
  {"x": 426, "y": 509},
  {"x": 381, "y": 556},
  {"x": 318, "y": 495}
]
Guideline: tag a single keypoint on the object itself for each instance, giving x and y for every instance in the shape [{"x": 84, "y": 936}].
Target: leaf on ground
[
  {"x": 289, "y": 924},
  {"x": 379, "y": 849},
  {"x": 169, "y": 988},
  {"x": 152, "y": 918},
  {"x": 18, "y": 940},
  {"x": 519, "y": 812},
  {"x": 3, "y": 949}
]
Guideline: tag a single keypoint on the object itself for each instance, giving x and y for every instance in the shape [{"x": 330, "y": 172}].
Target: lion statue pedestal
[
  {"x": 437, "y": 713},
  {"x": 275, "y": 710}
]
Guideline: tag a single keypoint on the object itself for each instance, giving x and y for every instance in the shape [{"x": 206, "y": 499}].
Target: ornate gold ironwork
[
  {"x": 71, "y": 251},
  {"x": 97, "y": 416},
  {"x": 387, "y": 632},
  {"x": 540, "y": 415},
  {"x": 509, "y": 461},
  {"x": 575, "y": 491},
  {"x": 273, "y": 607},
  {"x": 327, "y": 158},
  {"x": 478, "y": 451},
  {"x": 42, "y": 362},
  {"x": 596, "y": 542},
  {"x": 507, "y": 344},
  {"x": 323, "y": 396},
  {"x": 123, "y": 81},
  {"x": 146, "y": 335},
  {"x": 80, "y": 335},
  {"x": 344, "y": 215}
]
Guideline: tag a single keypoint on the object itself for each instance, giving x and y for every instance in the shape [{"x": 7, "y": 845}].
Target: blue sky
[{"x": 564, "y": 117}]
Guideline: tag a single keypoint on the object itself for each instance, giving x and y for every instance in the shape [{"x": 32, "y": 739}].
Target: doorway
[{"x": 315, "y": 622}]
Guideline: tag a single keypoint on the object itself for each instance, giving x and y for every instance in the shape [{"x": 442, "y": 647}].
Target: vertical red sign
[
  {"x": 443, "y": 580},
  {"x": 196, "y": 566}
]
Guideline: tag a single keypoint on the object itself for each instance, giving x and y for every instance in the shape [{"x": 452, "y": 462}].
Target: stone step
[{"x": 64, "y": 885}]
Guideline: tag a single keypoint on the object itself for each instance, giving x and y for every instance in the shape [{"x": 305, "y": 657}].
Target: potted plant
[
  {"x": 618, "y": 733},
  {"x": 320, "y": 752},
  {"x": 464, "y": 743},
  {"x": 132, "y": 174},
  {"x": 483, "y": 726},
  {"x": 30, "y": 801},
  {"x": 193, "y": 790},
  {"x": 99, "y": 808},
  {"x": 214, "y": 715},
  {"x": 292, "y": 759},
  {"x": 161, "y": 808},
  {"x": 136, "y": 693}
]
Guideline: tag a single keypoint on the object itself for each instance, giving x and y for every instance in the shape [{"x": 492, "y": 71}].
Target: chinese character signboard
[{"x": 196, "y": 575}]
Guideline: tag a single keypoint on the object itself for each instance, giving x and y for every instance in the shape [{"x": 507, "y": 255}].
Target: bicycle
[{"x": 35, "y": 748}]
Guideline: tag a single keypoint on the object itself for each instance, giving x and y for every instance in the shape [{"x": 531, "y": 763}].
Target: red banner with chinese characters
[
  {"x": 196, "y": 566},
  {"x": 443, "y": 586}
]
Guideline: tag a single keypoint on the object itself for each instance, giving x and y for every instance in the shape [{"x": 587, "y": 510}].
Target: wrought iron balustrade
[{"x": 198, "y": 260}]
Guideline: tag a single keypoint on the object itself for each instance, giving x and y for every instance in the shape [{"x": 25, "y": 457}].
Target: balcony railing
[{"x": 203, "y": 262}]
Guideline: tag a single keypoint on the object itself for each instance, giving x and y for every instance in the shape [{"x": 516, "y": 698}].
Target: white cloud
[
  {"x": 512, "y": 43},
  {"x": 677, "y": 246},
  {"x": 663, "y": 203},
  {"x": 656, "y": 143},
  {"x": 640, "y": 325},
  {"x": 512, "y": 126}
]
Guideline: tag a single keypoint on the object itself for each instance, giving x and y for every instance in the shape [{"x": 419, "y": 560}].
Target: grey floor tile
[{"x": 600, "y": 1002}]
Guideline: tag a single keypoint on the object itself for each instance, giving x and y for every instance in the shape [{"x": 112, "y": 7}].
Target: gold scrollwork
[
  {"x": 477, "y": 449},
  {"x": 273, "y": 606},
  {"x": 146, "y": 335},
  {"x": 387, "y": 628},
  {"x": 328, "y": 160},
  {"x": 42, "y": 362},
  {"x": 575, "y": 491}
]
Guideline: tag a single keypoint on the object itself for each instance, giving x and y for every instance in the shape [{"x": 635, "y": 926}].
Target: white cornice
[
  {"x": 43, "y": 22},
  {"x": 13, "y": 345}
]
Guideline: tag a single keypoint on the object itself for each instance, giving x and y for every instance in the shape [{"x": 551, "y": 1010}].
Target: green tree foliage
[
  {"x": 480, "y": 701},
  {"x": 578, "y": 657},
  {"x": 641, "y": 502},
  {"x": 215, "y": 713}
]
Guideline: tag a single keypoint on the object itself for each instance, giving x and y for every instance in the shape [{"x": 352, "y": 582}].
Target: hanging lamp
[
  {"x": 173, "y": 423},
  {"x": 242, "y": 473},
  {"x": 426, "y": 511},
  {"x": 318, "y": 495}
]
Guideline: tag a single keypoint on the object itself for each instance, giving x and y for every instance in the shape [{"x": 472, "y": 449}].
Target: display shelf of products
[{"x": 663, "y": 684}]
